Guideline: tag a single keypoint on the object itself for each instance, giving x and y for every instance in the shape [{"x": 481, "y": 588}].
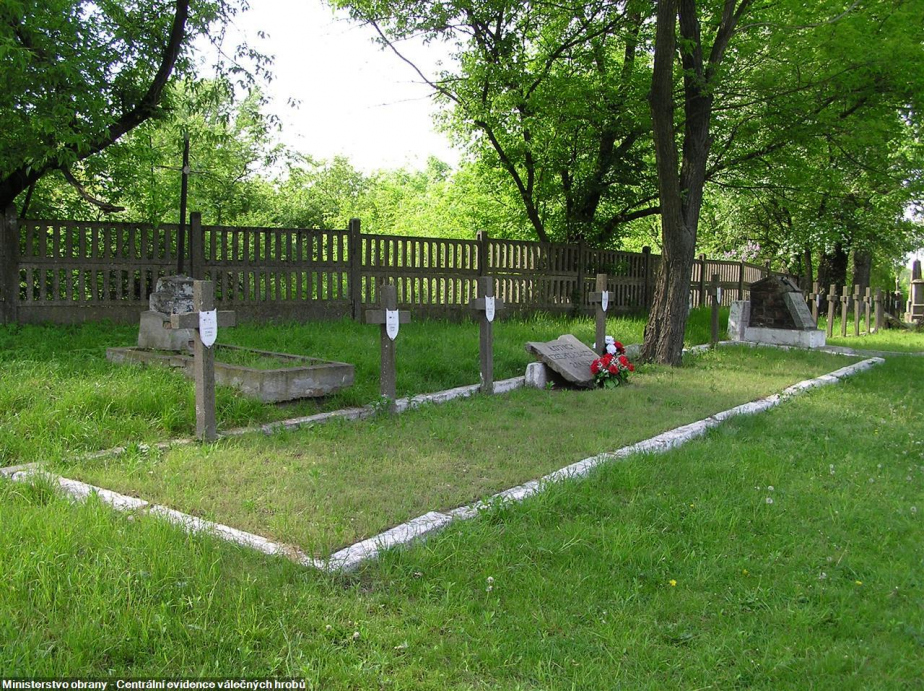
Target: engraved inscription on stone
[{"x": 568, "y": 357}]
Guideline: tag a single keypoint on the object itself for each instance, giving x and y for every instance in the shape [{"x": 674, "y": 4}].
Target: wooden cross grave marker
[
  {"x": 832, "y": 300},
  {"x": 845, "y": 300},
  {"x": 601, "y": 298},
  {"x": 488, "y": 305},
  {"x": 204, "y": 321},
  {"x": 390, "y": 318}
]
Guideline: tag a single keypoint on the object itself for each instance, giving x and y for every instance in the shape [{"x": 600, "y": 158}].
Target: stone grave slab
[{"x": 566, "y": 356}]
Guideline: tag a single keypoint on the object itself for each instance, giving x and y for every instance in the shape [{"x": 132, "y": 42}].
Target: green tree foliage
[
  {"x": 760, "y": 80},
  {"x": 552, "y": 94},
  {"x": 79, "y": 74}
]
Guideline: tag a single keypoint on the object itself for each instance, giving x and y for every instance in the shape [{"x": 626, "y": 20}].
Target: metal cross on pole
[
  {"x": 488, "y": 305},
  {"x": 601, "y": 297},
  {"x": 390, "y": 318},
  {"x": 204, "y": 321}
]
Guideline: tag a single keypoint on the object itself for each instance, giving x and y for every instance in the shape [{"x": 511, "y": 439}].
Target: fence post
[
  {"x": 482, "y": 238},
  {"x": 355, "y": 256},
  {"x": 646, "y": 297},
  {"x": 702, "y": 280},
  {"x": 716, "y": 292},
  {"x": 832, "y": 299},
  {"x": 9, "y": 265},
  {"x": 196, "y": 247},
  {"x": 582, "y": 268},
  {"x": 867, "y": 304},
  {"x": 766, "y": 270},
  {"x": 878, "y": 309},
  {"x": 741, "y": 280}
]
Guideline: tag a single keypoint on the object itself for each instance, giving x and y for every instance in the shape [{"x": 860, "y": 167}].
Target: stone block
[
  {"x": 155, "y": 333},
  {"x": 172, "y": 295},
  {"x": 738, "y": 317},
  {"x": 537, "y": 375},
  {"x": 790, "y": 337}
]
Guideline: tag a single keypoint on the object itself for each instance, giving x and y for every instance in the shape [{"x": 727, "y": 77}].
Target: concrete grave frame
[{"x": 355, "y": 555}]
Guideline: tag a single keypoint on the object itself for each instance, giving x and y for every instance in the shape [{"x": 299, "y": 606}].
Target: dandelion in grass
[
  {"x": 745, "y": 572},
  {"x": 770, "y": 488},
  {"x": 769, "y": 500},
  {"x": 914, "y": 509},
  {"x": 490, "y": 586},
  {"x": 858, "y": 582},
  {"x": 673, "y": 583}
]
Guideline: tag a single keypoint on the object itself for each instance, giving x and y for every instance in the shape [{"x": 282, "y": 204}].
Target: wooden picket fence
[{"x": 70, "y": 271}]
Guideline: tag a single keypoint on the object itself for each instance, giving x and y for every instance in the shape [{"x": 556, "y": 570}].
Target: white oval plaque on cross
[
  {"x": 489, "y": 309},
  {"x": 718, "y": 295},
  {"x": 604, "y": 300},
  {"x": 208, "y": 327},
  {"x": 391, "y": 323}
]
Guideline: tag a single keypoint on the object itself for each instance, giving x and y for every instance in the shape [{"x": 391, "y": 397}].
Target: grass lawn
[
  {"x": 895, "y": 340},
  {"x": 59, "y": 396},
  {"x": 782, "y": 550},
  {"x": 333, "y": 485}
]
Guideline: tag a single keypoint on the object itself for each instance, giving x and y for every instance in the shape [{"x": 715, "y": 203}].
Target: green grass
[
  {"x": 330, "y": 486},
  {"x": 59, "y": 396},
  {"x": 896, "y": 340},
  {"x": 572, "y": 589}
]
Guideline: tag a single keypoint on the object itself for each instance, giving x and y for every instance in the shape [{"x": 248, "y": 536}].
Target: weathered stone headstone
[
  {"x": 914, "y": 310},
  {"x": 172, "y": 295},
  {"x": 776, "y": 313},
  {"x": 777, "y": 303},
  {"x": 566, "y": 356}
]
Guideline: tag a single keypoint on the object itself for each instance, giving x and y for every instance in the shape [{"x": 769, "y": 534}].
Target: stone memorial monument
[
  {"x": 776, "y": 314},
  {"x": 914, "y": 309},
  {"x": 567, "y": 357},
  {"x": 172, "y": 295}
]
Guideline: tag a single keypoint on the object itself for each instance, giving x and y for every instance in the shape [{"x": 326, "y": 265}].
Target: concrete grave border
[{"x": 353, "y": 556}]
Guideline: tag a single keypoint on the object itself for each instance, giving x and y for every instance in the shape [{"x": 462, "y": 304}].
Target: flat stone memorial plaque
[{"x": 567, "y": 356}]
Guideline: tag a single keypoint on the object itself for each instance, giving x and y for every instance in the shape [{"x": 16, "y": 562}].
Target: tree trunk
[
  {"x": 862, "y": 268},
  {"x": 833, "y": 267},
  {"x": 681, "y": 194},
  {"x": 807, "y": 271}
]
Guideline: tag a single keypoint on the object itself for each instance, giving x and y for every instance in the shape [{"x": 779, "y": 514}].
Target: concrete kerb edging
[
  {"x": 401, "y": 405},
  {"x": 829, "y": 349},
  {"x": 353, "y": 556}
]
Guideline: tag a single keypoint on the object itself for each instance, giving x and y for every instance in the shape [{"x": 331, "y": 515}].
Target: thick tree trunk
[
  {"x": 862, "y": 268},
  {"x": 833, "y": 267},
  {"x": 808, "y": 274},
  {"x": 681, "y": 194}
]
